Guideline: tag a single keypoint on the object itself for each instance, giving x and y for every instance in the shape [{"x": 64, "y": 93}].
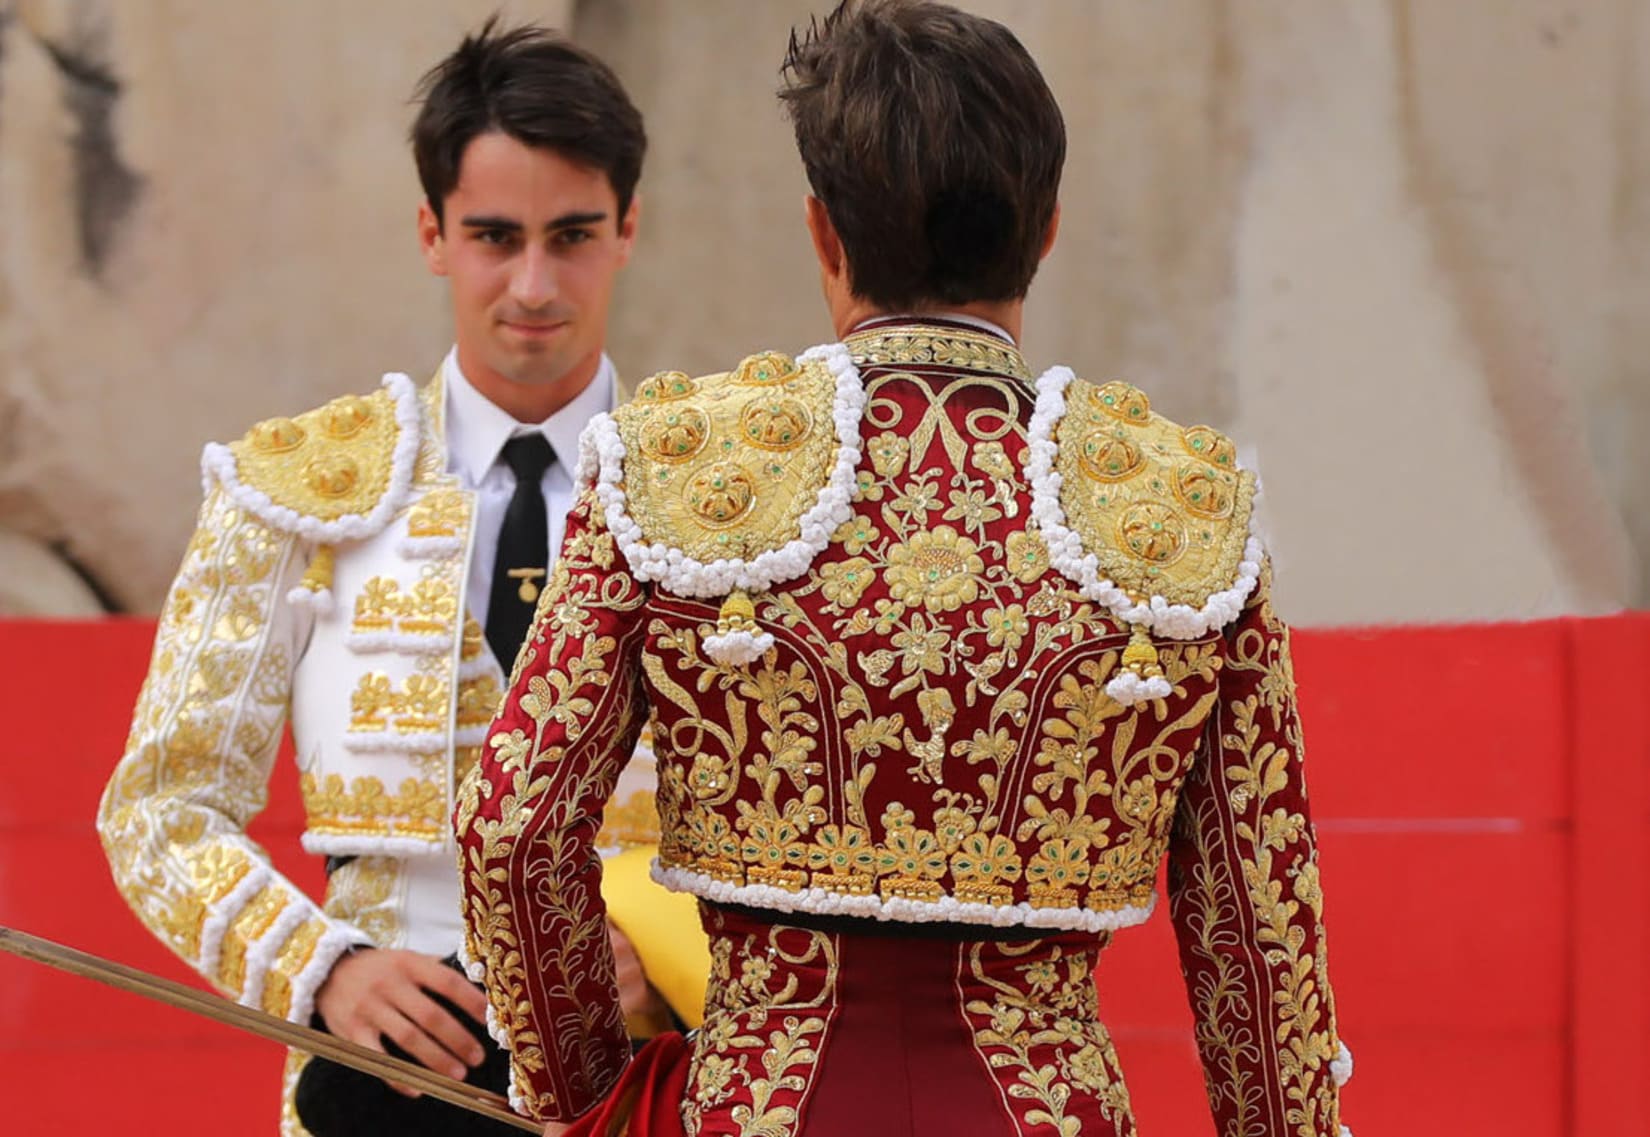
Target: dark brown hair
[
  {"x": 935, "y": 145},
  {"x": 539, "y": 89}
]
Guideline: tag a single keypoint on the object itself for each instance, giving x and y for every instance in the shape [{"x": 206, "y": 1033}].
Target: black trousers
[{"x": 336, "y": 1101}]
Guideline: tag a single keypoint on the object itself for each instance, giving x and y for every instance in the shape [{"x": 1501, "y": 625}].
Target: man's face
[{"x": 530, "y": 244}]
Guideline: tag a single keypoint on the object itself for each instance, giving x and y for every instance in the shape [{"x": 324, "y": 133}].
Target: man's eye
[
  {"x": 496, "y": 237},
  {"x": 573, "y": 236}
]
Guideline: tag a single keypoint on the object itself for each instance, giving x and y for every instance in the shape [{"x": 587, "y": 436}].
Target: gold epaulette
[
  {"x": 339, "y": 472},
  {"x": 724, "y": 467},
  {"x": 1164, "y": 509}
]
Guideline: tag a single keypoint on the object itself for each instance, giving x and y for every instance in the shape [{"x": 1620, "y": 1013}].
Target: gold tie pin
[{"x": 529, "y": 591}]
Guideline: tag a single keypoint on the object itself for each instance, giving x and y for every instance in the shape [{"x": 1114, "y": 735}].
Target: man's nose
[{"x": 533, "y": 284}]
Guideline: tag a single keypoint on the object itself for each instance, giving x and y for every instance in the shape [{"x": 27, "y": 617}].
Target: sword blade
[{"x": 219, "y": 1009}]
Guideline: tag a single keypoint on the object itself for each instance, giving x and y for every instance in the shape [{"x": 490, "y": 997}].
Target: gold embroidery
[
  {"x": 418, "y": 706},
  {"x": 725, "y": 466},
  {"x": 957, "y": 632},
  {"x": 293, "y": 958},
  {"x": 1038, "y": 1031},
  {"x": 439, "y": 513},
  {"x": 666, "y": 386},
  {"x": 565, "y": 694},
  {"x": 1164, "y": 509},
  {"x": 937, "y": 569},
  {"x": 378, "y": 605},
  {"x": 327, "y": 463},
  {"x": 952, "y": 347},
  {"x": 676, "y": 435},
  {"x": 363, "y": 806},
  {"x": 478, "y": 701},
  {"x": 252, "y": 922},
  {"x": 629, "y": 823},
  {"x": 474, "y": 641},
  {"x": 1252, "y": 865},
  {"x": 429, "y": 609},
  {"x": 763, "y": 1028},
  {"x": 365, "y": 892}
]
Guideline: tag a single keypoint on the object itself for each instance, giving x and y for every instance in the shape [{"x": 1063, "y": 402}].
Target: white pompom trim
[
  {"x": 402, "y": 643},
  {"x": 429, "y": 548},
  {"x": 735, "y": 649},
  {"x": 218, "y": 462},
  {"x": 1341, "y": 1067},
  {"x": 482, "y": 664},
  {"x": 601, "y": 462},
  {"x": 261, "y": 955},
  {"x": 496, "y": 1031},
  {"x": 1129, "y": 689},
  {"x": 318, "y": 601},
  {"x": 474, "y": 970},
  {"x": 421, "y": 742},
  {"x": 1081, "y": 567},
  {"x": 223, "y": 912},
  {"x": 897, "y": 909},
  {"x": 355, "y": 845},
  {"x": 338, "y": 939}
]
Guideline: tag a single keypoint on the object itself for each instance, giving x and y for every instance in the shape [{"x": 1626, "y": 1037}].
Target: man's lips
[{"x": 534, "y": 327}]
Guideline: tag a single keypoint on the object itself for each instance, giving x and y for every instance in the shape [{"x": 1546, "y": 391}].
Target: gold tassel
[
  {"x": 1140, "y": 656},
  {"x": 738, "y": 614},
  {"x": 318, "y": 576}
]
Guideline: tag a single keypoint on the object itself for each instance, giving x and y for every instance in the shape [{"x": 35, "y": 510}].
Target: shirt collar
[
  {"x": 976, "y": 322},
  {"x": 478, "y": 428}
]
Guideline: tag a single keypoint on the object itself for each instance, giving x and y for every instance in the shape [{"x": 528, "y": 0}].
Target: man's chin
[{"x": 533, "y": 369}]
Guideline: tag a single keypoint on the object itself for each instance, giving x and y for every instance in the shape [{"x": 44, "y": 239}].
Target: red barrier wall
[{"x": 1483, "y": 801}]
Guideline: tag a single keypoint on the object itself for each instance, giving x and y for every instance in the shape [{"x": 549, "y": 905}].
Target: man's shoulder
[
  {"x": 726, "y": 468},
  {"x": 1140, "y": 509},
  {"x": 337, "y": 472}
]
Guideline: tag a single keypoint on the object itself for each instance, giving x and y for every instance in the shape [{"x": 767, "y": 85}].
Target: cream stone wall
[
  {"x": 1399, "y": 249},
  {"x": 208, "y": 220}
]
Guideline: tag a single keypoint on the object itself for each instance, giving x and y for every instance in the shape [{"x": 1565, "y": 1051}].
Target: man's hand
[
  {"x": 382, "y": 993},
  {"x": 637, "y": 998}
]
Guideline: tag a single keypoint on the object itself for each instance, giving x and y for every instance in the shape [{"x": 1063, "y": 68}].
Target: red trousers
[{"x": 880, "y": 1031}]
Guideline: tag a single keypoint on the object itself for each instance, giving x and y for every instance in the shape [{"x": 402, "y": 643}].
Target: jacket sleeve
[
  {"x": 527, "y": 819},
  {"x": 1247, "y": 904},
  {"x": 196, "y": 770}
]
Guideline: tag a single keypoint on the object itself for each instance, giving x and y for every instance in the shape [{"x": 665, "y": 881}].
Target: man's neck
[
  {"x": 530, "y": 402},
  {"x": 1006, "y": 314}
]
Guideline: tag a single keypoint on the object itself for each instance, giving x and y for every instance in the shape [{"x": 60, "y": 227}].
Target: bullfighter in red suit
[{"x": 943, "y": 657}]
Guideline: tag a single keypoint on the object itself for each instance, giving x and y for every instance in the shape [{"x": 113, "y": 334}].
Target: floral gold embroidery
[{"x": 755, "y": 1056}]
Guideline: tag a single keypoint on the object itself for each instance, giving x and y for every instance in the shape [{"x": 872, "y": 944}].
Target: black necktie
[{"x": 523, "y": 549}]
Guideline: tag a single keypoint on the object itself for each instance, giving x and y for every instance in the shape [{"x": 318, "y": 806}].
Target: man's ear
[
  {"x": 430, "y": 240},
  {"x": 1053, "y": 231},
  {"x": 827, "y": 245},
  {"x": 629, "y": 225}
]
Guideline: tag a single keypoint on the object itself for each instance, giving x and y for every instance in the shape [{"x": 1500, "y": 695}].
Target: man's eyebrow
[
  {"x": 568, "y": 220},
  {"x": 565, "y": 221}
]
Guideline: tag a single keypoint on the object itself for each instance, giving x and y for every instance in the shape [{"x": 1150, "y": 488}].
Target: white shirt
[{"x": 477, "y": 430}]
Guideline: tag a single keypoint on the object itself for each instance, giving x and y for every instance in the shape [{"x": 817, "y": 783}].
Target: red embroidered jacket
[{"x": 921, "y": 638}]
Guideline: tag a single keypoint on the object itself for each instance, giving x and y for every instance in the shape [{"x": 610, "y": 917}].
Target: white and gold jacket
[{"x": 325, "y": 580}]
